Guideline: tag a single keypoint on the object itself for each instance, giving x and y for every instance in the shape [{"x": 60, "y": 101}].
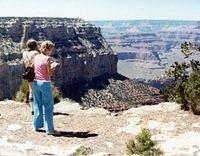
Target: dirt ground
[{"x": 102, "y": 131}]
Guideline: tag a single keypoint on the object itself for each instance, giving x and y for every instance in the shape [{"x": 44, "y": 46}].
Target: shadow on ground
[
  {"x": 77, "y": 134},
  {"x": 59, "y": 113},
  {"x": 71, "y": 134}
]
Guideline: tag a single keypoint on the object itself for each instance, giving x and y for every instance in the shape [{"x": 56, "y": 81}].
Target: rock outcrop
[
  {"x": 80, "y": 49},
  {"x": 118, "y": 93},
  {"x": 113, "y": 92}
]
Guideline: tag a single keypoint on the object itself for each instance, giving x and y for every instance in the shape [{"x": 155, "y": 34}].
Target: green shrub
[
  {"x": 169, "y": 93},
  {"x": 23, "y": 93},
  {"x": 83, "y": 151},
  {"x": 130, "y": 146},
  {"x": 185, "y": 89},
  {"x": 56, "y": 94},
  {"x": 181, "y": 96},
  {"x": 143, "y": 145},
  {"x": 193, "y": 91},
  {"x": 176, "y": 91}
]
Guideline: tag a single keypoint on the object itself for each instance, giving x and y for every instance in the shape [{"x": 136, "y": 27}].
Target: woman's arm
[{"x": 49, "y": 69}]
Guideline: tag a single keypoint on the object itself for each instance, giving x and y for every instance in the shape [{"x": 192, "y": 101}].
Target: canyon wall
[
  {"x": 80, "y": 49},
  {"x": 147, "y": 48}
]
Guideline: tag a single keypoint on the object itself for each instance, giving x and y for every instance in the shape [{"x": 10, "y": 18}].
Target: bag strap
[
  {"x": 32, "y": 65},
  {"x": 29, "y": 62}
]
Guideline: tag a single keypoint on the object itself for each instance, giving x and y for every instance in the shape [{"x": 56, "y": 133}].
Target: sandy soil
[{"x": 95, "y": 128}]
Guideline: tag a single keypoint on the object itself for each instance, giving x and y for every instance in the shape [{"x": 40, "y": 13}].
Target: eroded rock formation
[
  {"x": 80, "y": 49},
  {"x": 148, "y": 47},
  {"x": 88, "y": 66}
]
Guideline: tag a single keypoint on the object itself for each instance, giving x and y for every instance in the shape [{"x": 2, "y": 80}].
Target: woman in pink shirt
[{"x": 42, "y": 90}]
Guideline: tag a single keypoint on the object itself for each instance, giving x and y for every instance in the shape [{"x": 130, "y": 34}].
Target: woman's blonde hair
[{"x": 46, "y": 45}]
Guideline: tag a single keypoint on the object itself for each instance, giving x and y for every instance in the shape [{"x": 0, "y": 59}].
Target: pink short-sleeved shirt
[{"x": 40, "y": 68}]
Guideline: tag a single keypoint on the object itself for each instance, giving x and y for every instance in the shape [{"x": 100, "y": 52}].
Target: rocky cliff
[
  {"x": 80, "y": 49},
  {"x": 88, "y": 66}
]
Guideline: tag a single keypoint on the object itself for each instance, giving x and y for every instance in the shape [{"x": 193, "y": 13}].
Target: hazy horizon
[
  {"x": 105, "y": 20},
  {"x": 101, "y": 10}
]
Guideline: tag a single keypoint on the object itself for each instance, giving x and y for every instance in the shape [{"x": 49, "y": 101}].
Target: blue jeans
[{"x": 43, "y": 99}]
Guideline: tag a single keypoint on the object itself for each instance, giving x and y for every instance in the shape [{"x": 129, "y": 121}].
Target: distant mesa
[{"x": 150, "y": 42}]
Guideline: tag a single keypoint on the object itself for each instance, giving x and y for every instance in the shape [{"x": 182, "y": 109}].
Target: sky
[{"x": 104, "y": 9}]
